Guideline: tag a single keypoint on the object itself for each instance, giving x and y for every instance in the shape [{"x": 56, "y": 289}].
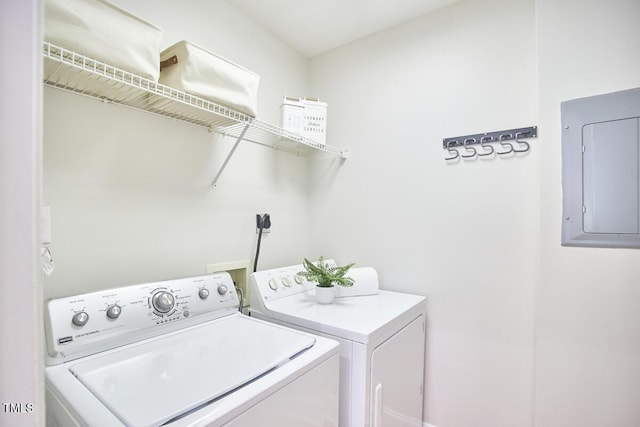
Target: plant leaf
[{"x": 326, "y": 275}]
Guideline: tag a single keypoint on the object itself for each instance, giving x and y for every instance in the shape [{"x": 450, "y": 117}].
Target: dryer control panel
[
  {"x": 269, "y": 285},
  {"x": 89, "y": 323}
]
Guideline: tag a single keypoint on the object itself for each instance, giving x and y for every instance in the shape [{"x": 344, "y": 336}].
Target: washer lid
[{"x": 152, "y": 382}]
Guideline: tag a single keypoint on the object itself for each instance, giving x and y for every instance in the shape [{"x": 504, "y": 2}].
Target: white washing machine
[
  {"x": 178, "y": 353},
  {"x": 382, "y": 337}
]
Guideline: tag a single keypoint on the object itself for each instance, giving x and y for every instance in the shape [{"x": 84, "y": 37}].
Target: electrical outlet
[{"x": 266, "y": 227}]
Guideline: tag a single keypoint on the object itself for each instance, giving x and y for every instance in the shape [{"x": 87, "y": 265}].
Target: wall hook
[
  {"x": 486, "y": 141},
  {"x": 486, "y": 147},
  {"x": 469, "y": 149},
  {"x": 526, "y": 144},
  {"x": 505, "y": 144},
  {"x": 453, "y": 151}
]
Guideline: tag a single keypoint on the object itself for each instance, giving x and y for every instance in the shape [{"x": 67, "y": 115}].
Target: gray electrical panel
[{"x": 601, "y": 170}]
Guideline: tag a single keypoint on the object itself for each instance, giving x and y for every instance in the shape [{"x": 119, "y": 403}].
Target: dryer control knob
[
  {"x": 163, "y": 301},
  {"x": 222, "y": 289},
  {"x": 203, "y": 293},
  {"x": 298, "y": 279},
  {"x": 80, "y": 319},
  {"x": 273, "y": 284},
  {"x": 114, "y": 311},
  {"x": 286, "y": 281}
]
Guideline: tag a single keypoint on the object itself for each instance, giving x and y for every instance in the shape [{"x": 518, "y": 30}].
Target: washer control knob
[
  {"x": 203, "y": 293},
  {"x": 286, "y": 281},
  {"x": 298, "y": 279},
  {"x": 114, "y": 311},
  {"x": 163, "y": 301},
  {"x": 273, "y": 284},
  {"x": 80, "y": 319},
  {"x": 222, "y": 289}
]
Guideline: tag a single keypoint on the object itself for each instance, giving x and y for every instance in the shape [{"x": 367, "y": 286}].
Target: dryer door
[{"x": 397, "y": 371}]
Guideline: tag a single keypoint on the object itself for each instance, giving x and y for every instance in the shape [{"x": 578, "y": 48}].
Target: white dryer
[
  {"x": 382, "y": 337},
  {"x": 178, "y": 353}
]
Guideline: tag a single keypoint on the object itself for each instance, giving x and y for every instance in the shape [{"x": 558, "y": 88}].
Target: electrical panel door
[{"x": 601, "y": 170}]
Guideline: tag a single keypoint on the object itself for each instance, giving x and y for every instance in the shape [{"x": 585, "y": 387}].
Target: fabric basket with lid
[
  {"x": 197, "y": 71},
  {"x": 104, "y": 32}
]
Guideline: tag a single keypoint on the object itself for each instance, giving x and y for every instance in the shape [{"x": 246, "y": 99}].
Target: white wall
[
  {"x": 464, "y": 233},
  {"x": 482, "y": 239},
  {"x": 588, "y": 322},
  {"x": 21, "y": 358},
  {"x": 130, "y": 192}
]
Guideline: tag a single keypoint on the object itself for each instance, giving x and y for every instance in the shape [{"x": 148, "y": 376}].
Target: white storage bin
[
  {"x": 306, "y": 117},
  {"x": 292, "y": 110},
  {"x": 105, "y": 32},
  {"x": 314, "y": 120},
  {"x": 210, "y": 76}
]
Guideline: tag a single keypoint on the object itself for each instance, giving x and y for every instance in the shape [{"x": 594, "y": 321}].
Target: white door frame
[{"x": 21, "y": 329}]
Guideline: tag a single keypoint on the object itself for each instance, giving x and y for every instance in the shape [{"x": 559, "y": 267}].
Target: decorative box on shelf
[{"x": 306, "y": 117}]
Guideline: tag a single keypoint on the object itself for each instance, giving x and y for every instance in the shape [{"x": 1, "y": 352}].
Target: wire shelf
[{"x": 70, "y": 71}]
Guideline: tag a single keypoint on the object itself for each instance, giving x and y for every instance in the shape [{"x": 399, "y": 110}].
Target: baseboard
[{"x": 427, "y": 425}]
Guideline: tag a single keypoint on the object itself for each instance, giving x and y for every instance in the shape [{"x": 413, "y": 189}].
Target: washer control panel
[
  {"x": 269, "y": 285},
  {"x": 88, "y": 323}
]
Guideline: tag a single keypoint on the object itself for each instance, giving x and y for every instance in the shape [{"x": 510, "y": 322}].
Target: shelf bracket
[{"x": 233, "y": 149}]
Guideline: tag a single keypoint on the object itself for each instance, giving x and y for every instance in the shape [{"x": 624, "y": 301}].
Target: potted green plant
[{"x": 326, "y": 276}]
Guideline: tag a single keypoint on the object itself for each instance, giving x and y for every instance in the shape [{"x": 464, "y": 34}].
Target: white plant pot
[{"x": 325, "y": 295}]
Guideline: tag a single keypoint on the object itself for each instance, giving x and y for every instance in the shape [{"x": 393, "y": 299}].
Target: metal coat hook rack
[{"x": 466, "y": 142}]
